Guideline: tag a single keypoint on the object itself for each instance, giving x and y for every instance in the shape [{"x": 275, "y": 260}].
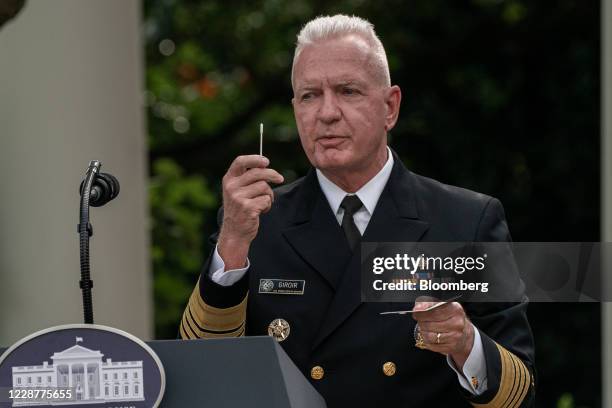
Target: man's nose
[{"x": 329, "y": 111}]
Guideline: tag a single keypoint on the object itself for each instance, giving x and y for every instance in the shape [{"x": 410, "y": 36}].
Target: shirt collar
[{"x": 369, "y": 193}]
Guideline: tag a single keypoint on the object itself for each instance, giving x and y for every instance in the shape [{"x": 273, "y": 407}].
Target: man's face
[{"x": 342, "y": 109}]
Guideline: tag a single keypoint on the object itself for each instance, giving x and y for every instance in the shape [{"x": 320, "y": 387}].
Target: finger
[
  {"x": 422, "y": 306},
  {"x": 423, "y": 303},
  {"x": 452, "y": 332},
  {"x": 438, "y": 314},
  {"x": 256, "y": 189},
  {"x": 448, "y": 325},
  {"x": 449, "y": 342},
  {"x": 426, "y": 299},
  {"x": 427, "y": 345},
  {"x": 431, "y": 316},
  {"x": 242, "y": 163},
  {"x": 262, "y": 204},
  {"x": 438, "y": 338},
  {"x": 258, "y": 174}
]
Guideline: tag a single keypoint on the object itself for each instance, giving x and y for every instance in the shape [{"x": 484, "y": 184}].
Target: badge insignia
[
  {"x": 279, "y": 329},
  {"x": 282, "y": 286},
  {"x": 266, "y": 285}
]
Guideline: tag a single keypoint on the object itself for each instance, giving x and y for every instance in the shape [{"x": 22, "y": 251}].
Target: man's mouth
[{"x": 331, "y": 140}]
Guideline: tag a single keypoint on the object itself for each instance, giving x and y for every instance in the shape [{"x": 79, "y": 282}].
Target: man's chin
[{"x": 332, "y": 162}]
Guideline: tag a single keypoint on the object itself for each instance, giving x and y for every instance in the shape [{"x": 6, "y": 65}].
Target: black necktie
[{"x": 351, "y": 204}]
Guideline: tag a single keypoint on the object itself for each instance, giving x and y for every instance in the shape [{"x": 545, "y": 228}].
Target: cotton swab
[{"x": 261, "y": 139}]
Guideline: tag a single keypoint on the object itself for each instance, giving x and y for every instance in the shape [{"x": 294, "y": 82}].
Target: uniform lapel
[
  {"x": 395, "y": 219},
  {"x": 316, "y": 235}
]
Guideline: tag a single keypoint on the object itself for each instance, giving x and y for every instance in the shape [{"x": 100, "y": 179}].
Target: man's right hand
[{"x": 246, "y": 195}]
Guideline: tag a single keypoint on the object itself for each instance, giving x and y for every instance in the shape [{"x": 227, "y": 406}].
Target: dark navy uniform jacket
[{"x": 330, "y": 328}]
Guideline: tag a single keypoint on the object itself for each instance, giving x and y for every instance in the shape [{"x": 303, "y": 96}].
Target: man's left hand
[{"x": 445, "y": 330}]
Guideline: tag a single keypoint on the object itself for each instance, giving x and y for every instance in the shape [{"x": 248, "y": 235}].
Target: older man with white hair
[{"x": 286, "y": 261}]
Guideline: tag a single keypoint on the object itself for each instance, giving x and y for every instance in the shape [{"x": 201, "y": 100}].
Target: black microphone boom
[{"x": 96, "y": 190}]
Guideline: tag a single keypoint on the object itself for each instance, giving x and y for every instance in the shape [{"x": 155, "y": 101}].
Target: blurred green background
[{"x": 502, "y": 97}]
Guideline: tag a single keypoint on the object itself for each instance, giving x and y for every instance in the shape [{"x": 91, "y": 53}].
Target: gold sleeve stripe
[
  {"x": 196, "y": 327},
  {"x": 505, "y": 383},
  {"x": 184, "y": 334},
  {"x": 216, "y": 319},
  {"x": 526, "y": 376},
  {"x": 200, "y": 332},
  {"x": 187, "y": 328},
  {"x": 204, "y": 321},
  {"x": 518, "y": 380},
  {"x": 513, "y": 384}
]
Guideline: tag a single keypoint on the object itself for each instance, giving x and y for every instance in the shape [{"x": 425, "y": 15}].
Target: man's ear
[{"x": 393, "y": 98}]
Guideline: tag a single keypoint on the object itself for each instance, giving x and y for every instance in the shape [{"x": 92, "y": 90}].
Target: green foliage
[
  {"x": 566, "y": 401},
  {"x": 178, "y": 203}
]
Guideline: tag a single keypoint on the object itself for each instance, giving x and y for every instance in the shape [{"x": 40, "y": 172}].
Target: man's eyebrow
[
  {"x": 308, "y": 87},
  {"x": 315, "y": 85},
  {"x": 352, "y": 83},
  {"x": 346, "y": 82}
]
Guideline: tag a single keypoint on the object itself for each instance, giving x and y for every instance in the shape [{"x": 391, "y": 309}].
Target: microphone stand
[{"x": 85, "y": 232}]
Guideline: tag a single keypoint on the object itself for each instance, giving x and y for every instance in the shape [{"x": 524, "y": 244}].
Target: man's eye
[
  {"x": 349, "y": 91},
  {"x": 306, "y": 96}
]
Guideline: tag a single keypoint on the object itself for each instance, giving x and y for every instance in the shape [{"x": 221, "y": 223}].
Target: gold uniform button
[
  {"x": 389, "y": 368},
  {"x": 317, "y": 372}
]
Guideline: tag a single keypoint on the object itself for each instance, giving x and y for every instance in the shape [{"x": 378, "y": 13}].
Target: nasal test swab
[{"x": 261, "y": 139}]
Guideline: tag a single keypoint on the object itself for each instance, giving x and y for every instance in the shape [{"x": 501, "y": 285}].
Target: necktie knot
[{"x": 351, "y": 204}]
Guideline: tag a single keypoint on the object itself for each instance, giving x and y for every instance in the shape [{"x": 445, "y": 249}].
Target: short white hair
[{"x": 329, "y": 27}]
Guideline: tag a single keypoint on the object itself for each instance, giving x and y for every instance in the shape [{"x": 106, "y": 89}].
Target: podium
[{"x": 235, "y": 372}]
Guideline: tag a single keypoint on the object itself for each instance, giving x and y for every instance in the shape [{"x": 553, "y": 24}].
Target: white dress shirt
[{"x": 475, "y": 365}]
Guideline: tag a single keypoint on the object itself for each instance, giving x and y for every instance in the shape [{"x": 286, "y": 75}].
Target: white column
[
  {"x": 71, "y": 84},
  {"x": 606, "y": 192},
  {"x": 99, "y": 381},
  {"x": 70, "y": 375},
  {"x": 86, "y": 381}
]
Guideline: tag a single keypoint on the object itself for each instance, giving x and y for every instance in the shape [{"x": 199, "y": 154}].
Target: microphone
[
  {"x": 96, "y": 190},
  {"x": 104, "y": 189}
]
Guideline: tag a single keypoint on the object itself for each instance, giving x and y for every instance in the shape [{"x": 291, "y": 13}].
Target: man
[{"x": 286, "y": 262}]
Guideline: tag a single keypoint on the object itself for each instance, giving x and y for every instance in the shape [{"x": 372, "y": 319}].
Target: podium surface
[{"x": 237, "y": 372}]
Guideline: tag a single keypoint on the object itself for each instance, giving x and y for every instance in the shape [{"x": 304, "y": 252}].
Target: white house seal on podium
[{"x": 96, "y": 365}]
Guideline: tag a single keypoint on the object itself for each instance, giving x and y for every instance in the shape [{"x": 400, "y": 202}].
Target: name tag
[{"x": 281, "y": 287}]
